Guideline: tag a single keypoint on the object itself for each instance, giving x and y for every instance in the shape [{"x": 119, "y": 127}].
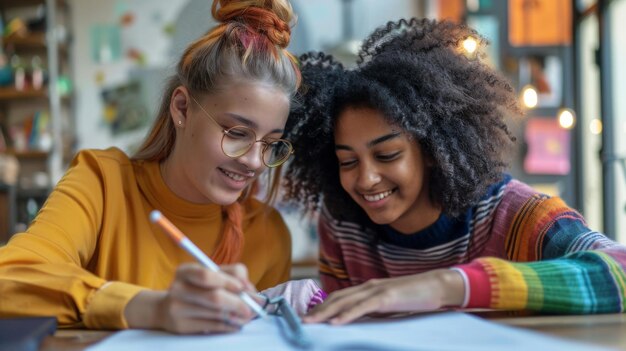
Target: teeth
[
  {"x": 234, "y": 176},
  {"x": 377, "y": 197}
]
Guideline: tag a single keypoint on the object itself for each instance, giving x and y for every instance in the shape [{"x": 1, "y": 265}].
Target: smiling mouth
[
  {"x": 377, "y": 196},
  {"x": 233, "y": 176}
]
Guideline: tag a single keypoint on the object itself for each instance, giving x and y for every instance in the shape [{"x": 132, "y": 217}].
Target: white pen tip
[{"x": 155, "y": 215}]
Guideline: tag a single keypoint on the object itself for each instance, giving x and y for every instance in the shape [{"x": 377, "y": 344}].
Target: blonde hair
[{"x": 249, "y": 44}]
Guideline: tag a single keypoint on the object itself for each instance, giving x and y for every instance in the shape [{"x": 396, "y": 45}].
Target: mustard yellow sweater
[{"x": 94, "y": 230}]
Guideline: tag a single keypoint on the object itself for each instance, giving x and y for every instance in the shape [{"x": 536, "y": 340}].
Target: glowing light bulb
[
  {"x": 530, "y": 96},
  {"x": 595, "y": 126},
  {"x": 470, "y": 44},
  {"x": 567, "y": 119}
]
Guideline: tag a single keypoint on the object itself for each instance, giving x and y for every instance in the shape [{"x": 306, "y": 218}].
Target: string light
[
  {"x": 595, "y": 126},
  {"x": 566, "y": 117},
  {"x": 470, "y": 44},
  {"x": 530, "y": 98}
]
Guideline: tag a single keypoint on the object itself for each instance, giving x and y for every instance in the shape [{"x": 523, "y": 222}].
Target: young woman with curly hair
[
  {"x": 93, "y": 259},
  {"x": 406, "y": 156}
]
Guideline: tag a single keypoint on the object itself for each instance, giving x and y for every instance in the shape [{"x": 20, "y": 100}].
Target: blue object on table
[
  {"x": 25, "y": 334},
  {"x": 290, "y": 324}
]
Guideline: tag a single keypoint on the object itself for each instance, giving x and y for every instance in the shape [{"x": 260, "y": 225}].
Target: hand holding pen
[{"x": 200, "y": 300}]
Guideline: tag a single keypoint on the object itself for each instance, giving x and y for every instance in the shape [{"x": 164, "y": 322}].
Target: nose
[
  {"x": 368, "y": 176},
  {"x": 253, "y": 159}
]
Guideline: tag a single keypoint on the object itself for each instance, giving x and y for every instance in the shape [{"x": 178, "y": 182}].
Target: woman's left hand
[{"x": 420, "y": 292}]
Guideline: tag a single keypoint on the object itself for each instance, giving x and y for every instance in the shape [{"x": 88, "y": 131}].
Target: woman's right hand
[{"x": 199, "y": 301}]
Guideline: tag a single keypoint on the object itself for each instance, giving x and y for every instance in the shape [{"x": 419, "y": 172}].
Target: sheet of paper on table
[{"x": 440, "y": 331}]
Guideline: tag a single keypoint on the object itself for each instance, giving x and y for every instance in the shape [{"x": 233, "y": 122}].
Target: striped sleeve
[
  {"x": 333, "y": 274},
  {"x": 555, "y": 264}
]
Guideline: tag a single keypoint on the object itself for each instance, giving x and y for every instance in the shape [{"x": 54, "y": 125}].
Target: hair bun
[{"x": 269, "y": 17}]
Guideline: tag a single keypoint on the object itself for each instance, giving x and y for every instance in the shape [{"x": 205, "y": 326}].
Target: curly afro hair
[{"x": 414, "y": 72}]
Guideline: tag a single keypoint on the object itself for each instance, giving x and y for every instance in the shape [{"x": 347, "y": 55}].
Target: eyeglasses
[
  {"x": 238, "y": 140},
  {"x": 290, "y": 324}
]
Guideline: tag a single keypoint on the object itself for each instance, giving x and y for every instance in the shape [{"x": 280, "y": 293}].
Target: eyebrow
[
  {"x": 251, "y": 124},
  {"x": 371, "y": 143}
]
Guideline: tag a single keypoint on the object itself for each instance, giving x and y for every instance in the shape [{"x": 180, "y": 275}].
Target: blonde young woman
[{"x": 92, "y": 258}]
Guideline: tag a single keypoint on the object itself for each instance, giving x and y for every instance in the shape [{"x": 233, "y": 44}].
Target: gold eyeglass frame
[{"x": 266, "y": 144}]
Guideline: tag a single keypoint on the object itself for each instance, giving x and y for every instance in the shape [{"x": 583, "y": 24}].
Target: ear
[{"x": 179, "y": 105}]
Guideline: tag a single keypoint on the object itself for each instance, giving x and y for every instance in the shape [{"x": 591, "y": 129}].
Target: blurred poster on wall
[
  {"x": 489, "y": 27},
  {"x": 123, "y": 108},
  {"x": 540, "y": 22},
  {"x": 545, "y": 73},
  {"x": 105, "y": 43},
  {"x": 452, "y": 10},
  {"x": 548, "y": 147}
]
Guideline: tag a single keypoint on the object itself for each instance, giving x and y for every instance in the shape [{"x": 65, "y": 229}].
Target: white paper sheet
[{"x": 442, "y": 331}]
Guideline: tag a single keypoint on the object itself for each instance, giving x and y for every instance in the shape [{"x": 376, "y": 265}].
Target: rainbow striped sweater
[{"x": 516, "y": 249}]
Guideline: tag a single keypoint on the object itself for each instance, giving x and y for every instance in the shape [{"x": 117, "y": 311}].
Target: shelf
[
  {"x": 4, "y": 187},
  {"x": 28, "y": 154},
  {"x": 32, "y": 41},
  {"x": 10, "y": 93},
  {"x": 305, "y": 262},
  {"x": 21, "y": 3},
  {"x": 305, "y": 268},
  {"x": 27, "y": 3},
  {"x": 17, "y": 105},
  {"x": 37, "y": 193}
]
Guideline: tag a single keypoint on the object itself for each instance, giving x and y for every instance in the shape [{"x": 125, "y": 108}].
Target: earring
[{"x": 180, "y": 123}]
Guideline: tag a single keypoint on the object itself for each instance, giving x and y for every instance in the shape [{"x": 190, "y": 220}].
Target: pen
[{"x": 170, "y": 229}]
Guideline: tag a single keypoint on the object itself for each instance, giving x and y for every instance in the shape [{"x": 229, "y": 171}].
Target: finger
[
  {"x": 181, "y": 310},
  {"x": 218, "y": 315},
  {"x": 323, "y": 311},
  {"x": 218, "y": 327},
  {"x": 326, "y": 311},
  {"x": 218, "y": 299},
  {"x": 359, "y": 309},
  {"x": 203, "y": 277},
  {"x": 205, "y": 326},
  {"x": 260, "y": 299},
  {"x": 346, "y": 292},
  {"x": 177, "y": 314},
  {"x": 237, "y": 270},
  {"x": 340, "y": 303},
  {"x": 240, "y": 271}
]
